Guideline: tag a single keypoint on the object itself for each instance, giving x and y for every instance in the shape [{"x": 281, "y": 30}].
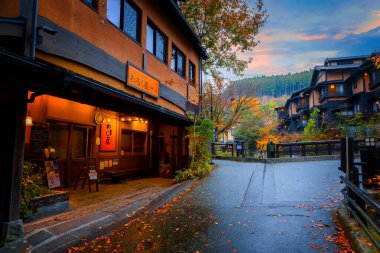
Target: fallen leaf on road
[
  {"x": 233, "y": 249},
  {"x": 316, "y": 247}
]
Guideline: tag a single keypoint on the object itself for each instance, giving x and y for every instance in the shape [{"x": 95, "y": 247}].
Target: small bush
[
  {"x": 199, "y": 169},
  {"x": 223, "y": 153},
  {"x": 33, "y": 185}
]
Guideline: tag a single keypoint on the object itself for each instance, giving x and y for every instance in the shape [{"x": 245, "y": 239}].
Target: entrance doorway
[{"x": 72, "y": 143}]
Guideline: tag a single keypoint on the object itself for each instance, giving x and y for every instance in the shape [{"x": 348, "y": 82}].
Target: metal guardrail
[{"x": 358, "y": 203}]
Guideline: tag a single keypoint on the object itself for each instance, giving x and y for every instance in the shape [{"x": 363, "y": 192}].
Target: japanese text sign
[
  {"x": 142, "y": 81},
  {"x": 108, "y": 135}
]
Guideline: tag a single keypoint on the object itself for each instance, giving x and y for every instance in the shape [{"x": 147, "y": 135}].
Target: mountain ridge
[{"x": 274, "y": 85}]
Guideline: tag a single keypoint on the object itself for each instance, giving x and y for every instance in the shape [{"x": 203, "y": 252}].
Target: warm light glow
[
  {"x": 122, "y": 119},
  {"x": 332, "y": 86},
  {"x": 28, "y": 121},
  {"x": 146, "y": 122},
  {"x": 366, "y": 74},
  {"x": 129, "y": 119},
  {"x": 109, "y": 119}
]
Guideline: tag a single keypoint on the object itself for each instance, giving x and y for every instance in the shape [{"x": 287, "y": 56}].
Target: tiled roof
[
  {"x": 346, "y": 58},
  {"x": 347, "y": 66}
]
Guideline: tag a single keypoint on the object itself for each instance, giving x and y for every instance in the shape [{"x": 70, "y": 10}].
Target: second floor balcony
[{"x": 334, "y": 94}]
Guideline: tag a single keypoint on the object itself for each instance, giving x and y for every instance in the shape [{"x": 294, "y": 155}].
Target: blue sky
[{"x": 300, "y": 34}]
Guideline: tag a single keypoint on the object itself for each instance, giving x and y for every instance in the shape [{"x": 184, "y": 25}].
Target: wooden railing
[
  {"x": 315, "y": 148},
  {"x": 362, "y": 184}
]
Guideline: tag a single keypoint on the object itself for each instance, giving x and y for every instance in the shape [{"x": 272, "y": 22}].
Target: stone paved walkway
[{"x": 97, "y": 213}]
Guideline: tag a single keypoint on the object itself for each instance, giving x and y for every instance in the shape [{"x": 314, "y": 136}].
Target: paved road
[{"x": 242, "y": 207}]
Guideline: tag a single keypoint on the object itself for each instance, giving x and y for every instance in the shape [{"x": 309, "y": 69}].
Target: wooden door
[
  {"x": 80, "y": 146},
  {"x": 72, "y": 144},
  {"x": 59, "y": 140}
]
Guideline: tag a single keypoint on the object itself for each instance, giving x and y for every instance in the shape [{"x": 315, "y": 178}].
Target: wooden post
[
  {"x": 316, "y": 149},
  {"x": 303, "y": 150},
  {"x": 13, "y": 105},
  {"x": 154, "y": 150},
  {"x": 13, "y": 109},
  {"x": 329, "y": 149},
  {"x": 180, "y": 143},
  {"x": 290, "y": 151},
  {"x": 277, "y": 151}
]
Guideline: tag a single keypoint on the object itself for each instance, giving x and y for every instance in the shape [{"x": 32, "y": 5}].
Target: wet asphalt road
[{"x": 241, "y": 207}]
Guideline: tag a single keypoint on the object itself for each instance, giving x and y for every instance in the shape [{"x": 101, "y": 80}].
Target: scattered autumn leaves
[{"x": 181, "y": 218}]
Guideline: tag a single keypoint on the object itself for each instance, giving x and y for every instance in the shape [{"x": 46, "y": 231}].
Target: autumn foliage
[{"x": 225, "y": 28}]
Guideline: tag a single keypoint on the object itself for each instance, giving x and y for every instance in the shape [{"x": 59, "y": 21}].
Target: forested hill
[{"x": 273, "y": 86}]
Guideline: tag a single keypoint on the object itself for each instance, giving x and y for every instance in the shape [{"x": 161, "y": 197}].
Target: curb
[
  {"x": 110, "y": 221},
  {"x": 358, "y": 238},
  {"x": 279, "y": 160}
]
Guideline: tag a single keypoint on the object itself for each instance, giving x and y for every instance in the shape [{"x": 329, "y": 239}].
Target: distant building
[{"x": 347, "y": 85}]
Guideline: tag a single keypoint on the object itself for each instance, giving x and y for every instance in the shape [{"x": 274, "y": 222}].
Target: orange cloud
[
  {"x": 374, "y": 23},
  {"x": 313, "y": 37},
  {"x": 363, "y": 28}
]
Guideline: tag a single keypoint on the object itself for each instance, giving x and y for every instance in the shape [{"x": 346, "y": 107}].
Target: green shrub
[
  {"x": 33, "y": 185},
  {"x": 200, "y": 134},
  {"x": 223, "y": 153},
  {"x": 199, "y": 169}
]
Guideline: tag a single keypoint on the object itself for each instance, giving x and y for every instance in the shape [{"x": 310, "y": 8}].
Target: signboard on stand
[{"x": 52, "y": 174}]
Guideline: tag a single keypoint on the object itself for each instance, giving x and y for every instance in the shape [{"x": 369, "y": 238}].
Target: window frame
[
  {"x": 177, "y": 50},
  {"x": 133, "y": 132},
  {"x": 95, "y": 8},
  {"x": 355, "y": 84},
  {"x": 193, "y": 76},
  {"x": 155, "y": 31},
  {"x": 122, "y": 19}
]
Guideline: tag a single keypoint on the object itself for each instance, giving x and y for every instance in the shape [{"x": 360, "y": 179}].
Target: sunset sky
[{"x": 300, "y": 34}]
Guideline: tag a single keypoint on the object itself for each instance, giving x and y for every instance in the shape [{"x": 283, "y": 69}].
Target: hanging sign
[
  {"x": 138, "y": 79},
  {"x": 108, "y": 135}
]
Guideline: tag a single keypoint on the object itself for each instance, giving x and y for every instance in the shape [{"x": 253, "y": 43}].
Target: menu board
[
  {"x": 39, "y": 137},
  {"x": 52, "y": 174},
  {"x": 90, "y": 163}
]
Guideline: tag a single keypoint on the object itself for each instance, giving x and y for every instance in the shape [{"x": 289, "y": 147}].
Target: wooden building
[
  {"x": 113, "y": 79},
  {"x": 339, "y": 85}
]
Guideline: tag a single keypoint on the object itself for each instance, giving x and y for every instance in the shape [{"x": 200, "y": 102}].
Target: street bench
[{"x": 115, "y": 175}]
